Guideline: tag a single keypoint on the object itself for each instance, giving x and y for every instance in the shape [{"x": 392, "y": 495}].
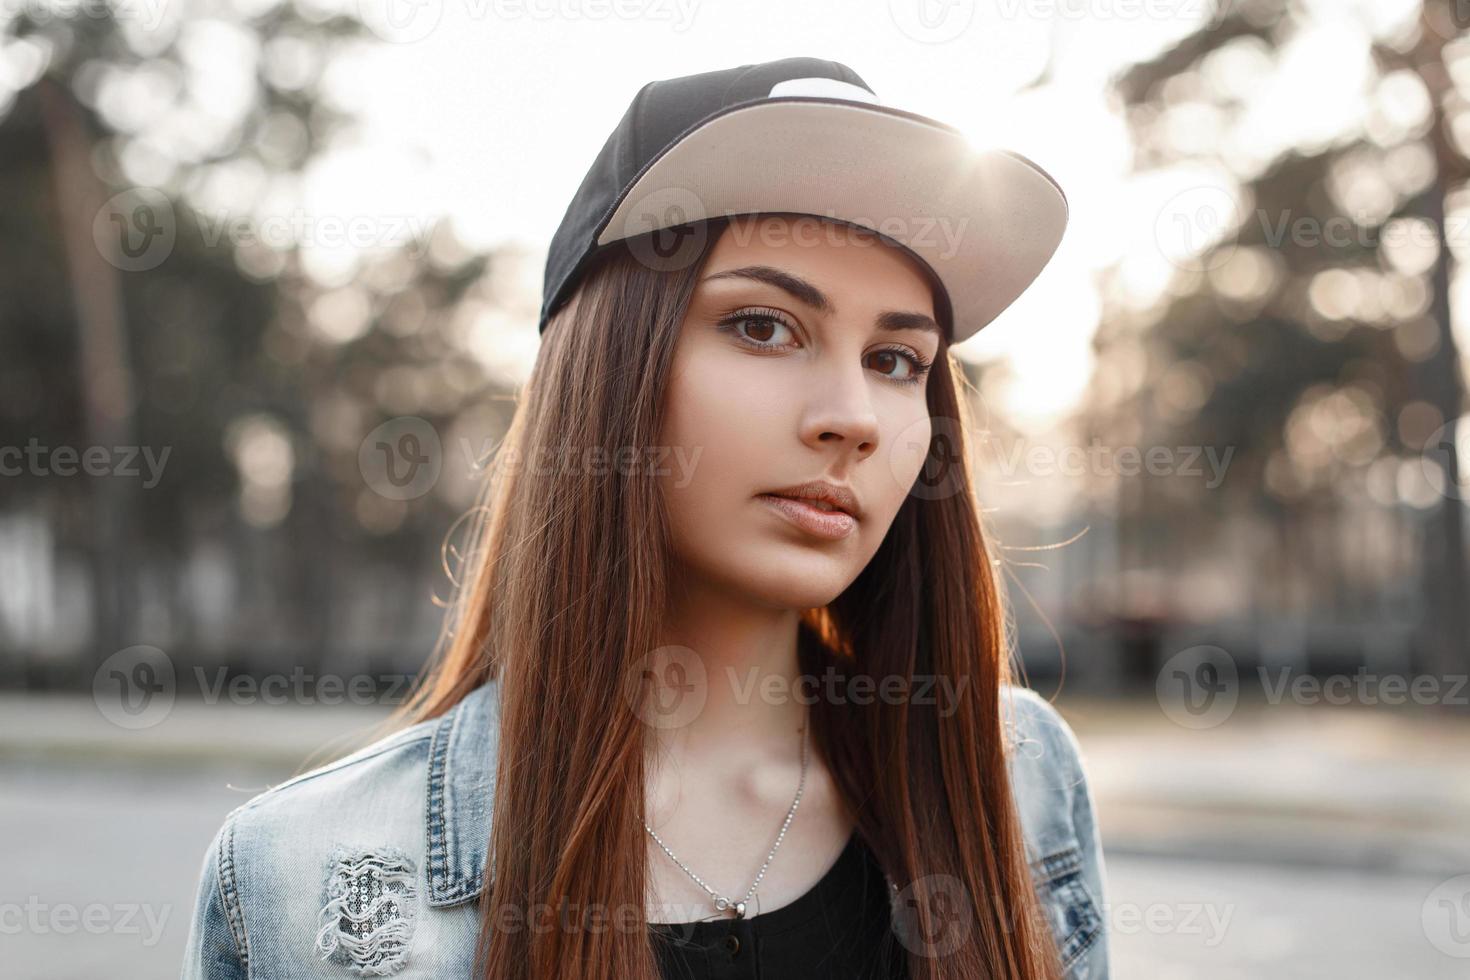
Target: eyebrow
[{"x": 817, "y": 300}]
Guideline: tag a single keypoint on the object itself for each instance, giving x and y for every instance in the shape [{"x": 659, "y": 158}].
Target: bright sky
[
  {"x": 493, "y": 118},
  {"x": 490, "y": 113}
]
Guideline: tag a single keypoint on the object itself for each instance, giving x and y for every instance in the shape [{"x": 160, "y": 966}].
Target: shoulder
[
  {"x": 1048, "y": 776},
  {"x": 380, "y": 785},
  {"x": 335, "y": 795},
  {"x": 1052, "y": 796},
  {"x": 1037, "y": 731},
  {"x": 276, "y": 855}
]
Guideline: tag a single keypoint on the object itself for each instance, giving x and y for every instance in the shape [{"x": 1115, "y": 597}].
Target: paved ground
[
  {"x": 1294, "y": 843},
  {"x": 1280, "y": 921}
]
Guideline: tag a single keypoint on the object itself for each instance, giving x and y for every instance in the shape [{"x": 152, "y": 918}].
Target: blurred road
[{"x": 1294, "y": 843}]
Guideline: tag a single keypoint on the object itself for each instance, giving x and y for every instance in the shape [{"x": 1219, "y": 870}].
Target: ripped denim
[{"x": 367, "y": 920}]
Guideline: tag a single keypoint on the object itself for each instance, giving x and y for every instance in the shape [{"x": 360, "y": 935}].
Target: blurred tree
[
  {"x": 133, "y": 317},
  {"x": 1308, "y": 325}
]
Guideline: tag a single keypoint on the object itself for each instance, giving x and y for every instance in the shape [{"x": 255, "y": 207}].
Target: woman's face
[{"x": 803, "y": 357}]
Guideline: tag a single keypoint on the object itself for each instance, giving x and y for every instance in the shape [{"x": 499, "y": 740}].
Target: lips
[
  {"x": 820, "y": 505},
  {"x": 810, "y": 517},
  {"x": 823, "y": 496}
]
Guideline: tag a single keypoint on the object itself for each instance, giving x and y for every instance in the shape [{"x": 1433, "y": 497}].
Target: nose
[{"x": 840, "y": 411}]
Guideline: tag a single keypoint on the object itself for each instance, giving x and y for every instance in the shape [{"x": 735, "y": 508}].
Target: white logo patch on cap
[{"x": 824, "y": 88}]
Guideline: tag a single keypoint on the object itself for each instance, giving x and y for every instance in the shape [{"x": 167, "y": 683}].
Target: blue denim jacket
[{"x": 370, "y": 865}]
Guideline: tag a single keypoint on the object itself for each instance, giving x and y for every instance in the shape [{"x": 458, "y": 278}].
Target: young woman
[{"x": 725, "y": 688}]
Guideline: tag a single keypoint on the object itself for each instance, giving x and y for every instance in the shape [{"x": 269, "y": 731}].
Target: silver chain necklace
[{"x": 722, "y": 903}]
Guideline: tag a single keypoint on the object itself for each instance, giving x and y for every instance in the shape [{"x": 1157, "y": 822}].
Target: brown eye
[
  {"x": 914, "y": 366},
  {"x": 757, "y": 328},
  {"x": 763, "y": 328}
]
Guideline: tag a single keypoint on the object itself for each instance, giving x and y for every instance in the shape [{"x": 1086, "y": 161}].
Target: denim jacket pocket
[{"x": 1075, "y": 919}]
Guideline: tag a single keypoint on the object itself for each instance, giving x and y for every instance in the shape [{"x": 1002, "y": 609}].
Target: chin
[{"x": 789, "y": 576}]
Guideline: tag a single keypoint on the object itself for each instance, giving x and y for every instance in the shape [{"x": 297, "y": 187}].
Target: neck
[{"x": 739, "y": 672}]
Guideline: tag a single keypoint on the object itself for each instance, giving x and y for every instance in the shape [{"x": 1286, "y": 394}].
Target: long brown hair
[{"x": 563, "y": 582}]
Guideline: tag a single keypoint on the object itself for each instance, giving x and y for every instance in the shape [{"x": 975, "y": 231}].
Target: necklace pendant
[{"x": 736, "y": 909}]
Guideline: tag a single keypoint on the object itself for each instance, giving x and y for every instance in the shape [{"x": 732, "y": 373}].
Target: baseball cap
[{"x": 809, "y": 136}]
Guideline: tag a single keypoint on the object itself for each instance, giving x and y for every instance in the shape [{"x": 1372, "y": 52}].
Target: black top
[{"x": 841, "y": 927}]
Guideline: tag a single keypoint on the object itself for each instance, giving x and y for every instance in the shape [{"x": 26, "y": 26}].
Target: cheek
[
  {"x": 741, "y": 411},
  {"x": 726, "y": 427},
  {"x": 906, "y": 449}
]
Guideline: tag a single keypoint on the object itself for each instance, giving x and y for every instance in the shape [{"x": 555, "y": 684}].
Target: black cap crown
[{"x": 660, "y": 115}]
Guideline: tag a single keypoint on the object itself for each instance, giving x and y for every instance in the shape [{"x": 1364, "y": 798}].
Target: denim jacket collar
[{"x": 460, "y": 794}]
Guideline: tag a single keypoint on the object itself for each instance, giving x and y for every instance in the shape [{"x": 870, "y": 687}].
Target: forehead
[{"x": 844, "y": 260}]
